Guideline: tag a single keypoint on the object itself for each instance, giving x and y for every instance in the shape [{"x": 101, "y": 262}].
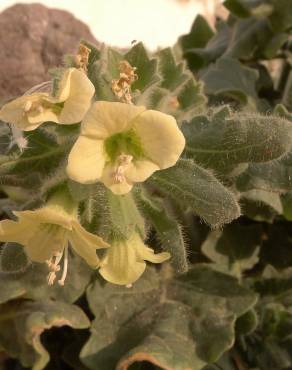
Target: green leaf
[
  {"x": 235, "y": 249},
  {"x": 230, "y": 78},
  {"x": 200, "y": 57},
  {"x": 32, "y": 283},
  {"x": 199, "y": 190},
  {"x": 198, "y": 36},
  {"x": 119, "y": 215},
  {"x": 247, "y": 323},
  {"x": 267, "y": 198},
  {"x": 249, "y": 38},
  {"x": 173, "y": 74},
  {"x": 22, "y": 323},
  {"x": 238, "y": 7},
  {"x": 102, "y": 71},
  {"x": 13, "y": 258},
  {"x": 261, "y": 205},
  {"x": 177, "y": 93},
  {"x": 276, "y": 248},
  {"x": 287, "y": 206},
  {"x": 281, "y": 17},
  {"x": 181, "y": 323},
  {"x": 45, "y": 153},
  {"x": 146, "y": 67},
  {"x": 221, "y": 138},
  {"x": 274, "y": 176},
  {"x": 168, "y": 229},
  {"x": 246, "y": 8}
]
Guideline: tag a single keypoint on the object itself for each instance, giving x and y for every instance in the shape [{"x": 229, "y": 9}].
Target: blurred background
[
  {"x": 118, "y": 22},
  {"x": 38, "y": 34}
]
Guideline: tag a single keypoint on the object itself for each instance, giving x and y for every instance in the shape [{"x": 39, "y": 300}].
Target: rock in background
[{"x": 33, "y": 39}]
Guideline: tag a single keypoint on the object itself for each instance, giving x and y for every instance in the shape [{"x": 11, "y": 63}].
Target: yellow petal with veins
[
  {"x": 125, "y": 262},
  {"x": 86, "y": 160},
  {"x": 107, "y": 118},
  {"x": 162, "y": 140}
]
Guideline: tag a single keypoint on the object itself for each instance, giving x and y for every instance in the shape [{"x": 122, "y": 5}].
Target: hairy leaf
[
  {"x": 222, "y": 138},
  {"x": 22, "y": 323},
  {"x": 168, "y": 229},
  {"x": 197, "y": 189},
  {"x": 180, "y": 323}
]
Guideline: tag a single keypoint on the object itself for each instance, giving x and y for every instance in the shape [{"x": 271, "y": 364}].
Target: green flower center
[
  {"x": 127, "y": 142},
  {"x": 57, "y": 108}
]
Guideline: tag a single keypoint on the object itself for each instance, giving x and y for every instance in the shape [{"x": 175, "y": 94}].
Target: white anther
[
  {"x": 27, "y": 106},
  {"x": 65, "y": 268},
  {"x": 123, "y": 161}
]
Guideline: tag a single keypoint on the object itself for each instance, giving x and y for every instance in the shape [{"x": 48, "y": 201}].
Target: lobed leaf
[
  {"x": 182, "y": 323},
  {"x": 22, "y": 323}
]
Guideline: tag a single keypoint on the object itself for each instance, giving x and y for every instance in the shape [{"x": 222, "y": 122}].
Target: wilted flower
[
  {"x": 46, "y": 232},
  {"x": 121, "y": 144},
  {"x": 69, "y": 105},
  {"x": 124, "y": 261}
]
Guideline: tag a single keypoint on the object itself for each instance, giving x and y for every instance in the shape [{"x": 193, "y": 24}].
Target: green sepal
[{"x": 167, "y": 227}]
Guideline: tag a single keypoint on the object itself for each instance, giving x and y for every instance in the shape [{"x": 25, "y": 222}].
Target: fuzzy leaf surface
[
  {"x": 22, "y": 323},
  {"x": 181, "y": 323},
  {"x": 199, "y": 190}
]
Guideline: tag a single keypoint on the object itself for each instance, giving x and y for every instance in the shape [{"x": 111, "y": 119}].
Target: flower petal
[
  {"x": 86, "y": 160},
  {"x": 88, "y": 238},
  {"x": 46, "y": 215},
  {"x": 46, "y": 242},
  {"x": 78, "y": 100},
  {"x": 107, "y": 118},
  {"x": 148, "y": 254},
  {"x": 161, "y": 138},
  {"x": 85, "y": 244},
  {"x": 140, "y": 170},
  {"x": 45, "y": 116},
  {"x": 108, "y": 178},
  {"x": 16, "y": 231},
  {"x": 64, "y": 85},
  {"x": 13, "y": 112},
  {"x": 120, "y": 265}
]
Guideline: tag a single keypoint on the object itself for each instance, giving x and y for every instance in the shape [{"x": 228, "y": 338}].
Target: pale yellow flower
[
  {"x": 46, "y": 233},
  {"x": 68, "y": 106},
  {"x": 121, "y": 144},
  {"x": 124, "y": 261}
]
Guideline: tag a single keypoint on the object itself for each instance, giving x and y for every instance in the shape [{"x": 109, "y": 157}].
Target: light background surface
[{"x": 157, "y": 23}]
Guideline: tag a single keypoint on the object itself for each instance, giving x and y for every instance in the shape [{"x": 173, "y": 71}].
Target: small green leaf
[
  {"x": 199, "y": 35},
  {"x": 168, "y": 229},
  {"x": 199, "y": 190},
  {"x": 247, "y": 323},
  {"x": 146, "y": 67},
  {"x": 230, "y": 78},
  {"x": 235, "y": 249},
  {"x": 274, "y": 176},
  {"x": 103, "y": 71},
  {"x": 238, "y": 7},
  {"x": 200, "y": 57},
  {"x": 119, "y": 216}
]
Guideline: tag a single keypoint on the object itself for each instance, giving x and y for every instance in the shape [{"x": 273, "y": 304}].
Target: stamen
[
  {"x": 65, "y": 268},
  {"x": 27, "y": 106},
  {"x": 54, "y": 267},
  {"x": 40, "y": 109},
  {"x": 32, "y": 106},
  {"x": 123, "y": 161}
]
